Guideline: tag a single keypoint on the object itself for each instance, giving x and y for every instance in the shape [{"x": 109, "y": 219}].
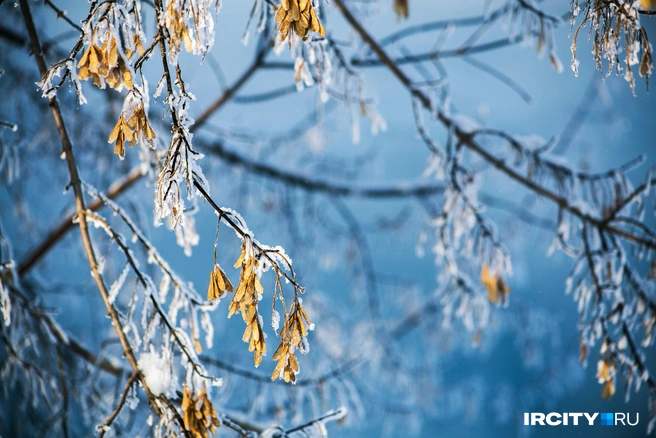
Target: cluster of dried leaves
[
  {"x": 292, "y": 336},
  {"x": 615, "y": 31},
  {"x": 299, "y": 17},
  {"x": 108, "y": 65},
  {"x": 245, "y": 300},
  {"x": 105, "y": 65},
  {"x": 198, "y": 414},
  {"x": 177, "y": 28},
  {"x": 131, "y": 130}
]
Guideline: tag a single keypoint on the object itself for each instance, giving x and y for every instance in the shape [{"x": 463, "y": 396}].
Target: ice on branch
[
  {"x": 180, "y": 169},
  {"x": 314, "y": 429},
  {"x": 157, "y": 373},
  {"x": 5, "y": 304},
  {"x": 464, "y": 123},
  {"x": 118, "y": 283}
]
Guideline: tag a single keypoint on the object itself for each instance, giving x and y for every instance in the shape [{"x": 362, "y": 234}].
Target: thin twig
[
  {"x": 106, "y": 425},
  {"x": 62, "y": 14},
  {"x": 400, "y": 190}
]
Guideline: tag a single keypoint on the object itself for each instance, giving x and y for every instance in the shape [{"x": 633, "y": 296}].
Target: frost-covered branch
[
  {"x": 591, "y": 211},
  {"x": 121, "y": 402},
  {"x": 76, "y": 184}
]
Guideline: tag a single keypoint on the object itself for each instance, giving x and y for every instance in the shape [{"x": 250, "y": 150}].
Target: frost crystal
[{"x": 5, "y": 304}]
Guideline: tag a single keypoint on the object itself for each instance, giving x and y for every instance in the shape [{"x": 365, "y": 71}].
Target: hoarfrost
[
  {"x": 157, "y": 371},
  {"x": 5, "y": 304},
  {"x": 275, "y": 321},
  {"x": 464, "y": 123},
  {"x": 118, "y": 284}
]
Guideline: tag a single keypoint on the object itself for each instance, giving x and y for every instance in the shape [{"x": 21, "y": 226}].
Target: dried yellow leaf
[
  {"x": 299, "y": 72},
  {"x": 137, "y": 46},
  {"x": 477, "y": 338},
  {"x": 494, "y": 285},
  {"x": 241, "y": 257},
  {"x": 602, "y": 371},
  {"x": 608, "y": 389},
  {"x": 120, "y": 134},
  {"x": 219, "y": 284},
  {"x": 246, "y": 300},
  {"x": 647, "y": 4},
  {"x": 129, "y": 130},
  {"x": 115, "y": 132},
  {"x": 401, "y": 8},
  {"x": 95, "y": 61},
  {"x": 280, "y": 15},
  {"x": 112, "y": 55},
  {"x": 584, "y": 352},
  {"x": 646, "y": 63},
  {"x": 178, "y": 31},
  {"x": 247, "y": 333}
]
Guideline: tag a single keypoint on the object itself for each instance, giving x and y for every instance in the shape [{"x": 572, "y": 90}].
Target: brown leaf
[
  {"x": 584, "y": 352},
  {"x": 494, "y": 285},
  {"x": 647, "y": 4},
  {"x": 646, "y": 64},
  {"x": 608, "y": 389},
  {"x": 401, "y": 8}
]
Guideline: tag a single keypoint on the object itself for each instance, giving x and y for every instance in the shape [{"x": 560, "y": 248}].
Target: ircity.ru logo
[{"x": 585, "y": 418}]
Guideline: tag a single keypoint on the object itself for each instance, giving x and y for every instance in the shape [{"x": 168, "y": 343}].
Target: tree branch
[
  {"x": 67, "y": 148},
  {"x": 105, "y": 426},
  {"x": 400, "y": 190},
  {"x": 468, "y": 138}
]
